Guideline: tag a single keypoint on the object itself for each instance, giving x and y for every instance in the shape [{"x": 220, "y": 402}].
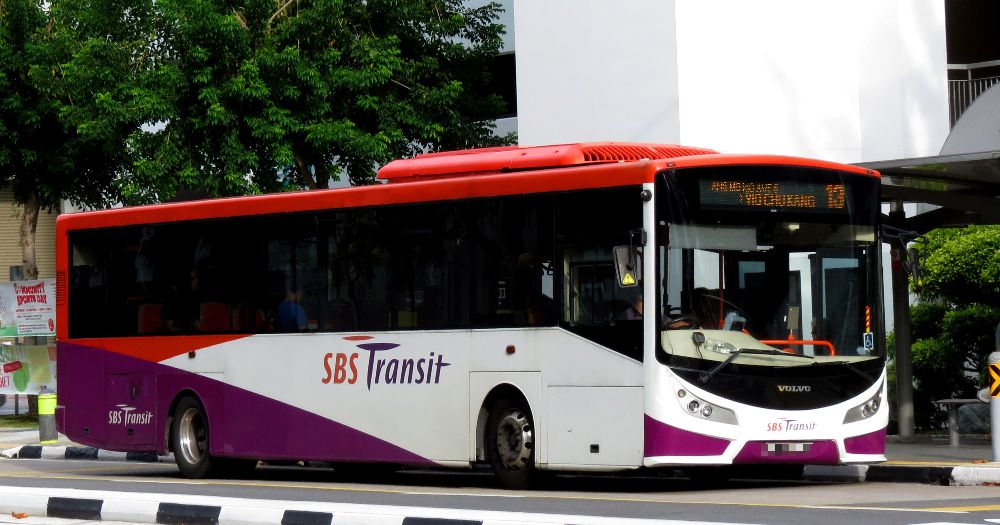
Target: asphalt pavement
[
  {"x": 919, "y": 459},
  {"x": 926, "y": 459}
]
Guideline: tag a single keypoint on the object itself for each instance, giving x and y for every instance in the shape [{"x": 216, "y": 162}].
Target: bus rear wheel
[
  {"x": 510, "y": 443},
  {"x": 189, "y": 438}
]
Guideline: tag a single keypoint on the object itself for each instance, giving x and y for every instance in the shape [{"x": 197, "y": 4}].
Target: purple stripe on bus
[
  {"x": 873, "y": 443},
  {"x": 818, "y": 453},
  {"x": 665, "y": 440},
  {"x": 377, "y": 347},
  {"x": 243, "y": 423}
]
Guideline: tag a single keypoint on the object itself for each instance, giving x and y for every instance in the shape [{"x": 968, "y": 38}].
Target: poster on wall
[
  {"x": 28, "y": 308},
  {"x": 25, "y": 369}
]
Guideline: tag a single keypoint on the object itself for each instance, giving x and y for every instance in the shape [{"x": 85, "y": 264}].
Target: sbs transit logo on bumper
[{"x": 342, "y": 367}]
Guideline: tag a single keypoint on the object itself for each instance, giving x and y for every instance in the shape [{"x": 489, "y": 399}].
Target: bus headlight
[
  {"x": 864, "y": 410},
  {"x": 702, "y": 409}
]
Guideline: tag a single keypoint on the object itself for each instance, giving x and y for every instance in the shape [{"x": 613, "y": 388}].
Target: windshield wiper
[
  {"x": 850, "y": 366},
  {"x": 705, "y": 377}
]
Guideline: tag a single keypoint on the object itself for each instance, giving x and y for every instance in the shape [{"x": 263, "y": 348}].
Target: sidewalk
[{"x": 920, "y": 459}]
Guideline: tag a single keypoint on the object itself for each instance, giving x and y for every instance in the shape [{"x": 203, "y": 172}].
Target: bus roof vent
[
  {"x": 515, "y": 158},
  {"x": 632, "y": 152}
]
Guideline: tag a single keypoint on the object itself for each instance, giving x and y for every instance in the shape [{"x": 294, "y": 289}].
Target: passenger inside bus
[
  {"x": 291, "y": 315},
  {"x": 182, "y": 312}
]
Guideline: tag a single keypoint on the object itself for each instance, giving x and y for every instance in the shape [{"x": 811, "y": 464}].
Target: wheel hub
[
  {"x": 515, "y": 440},
  {"x": 192, "y": 442}
]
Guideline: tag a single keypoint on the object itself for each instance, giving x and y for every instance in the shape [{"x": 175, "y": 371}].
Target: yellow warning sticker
[
  {"x": 627, "y": 279},
  {"x": 995, "y": 380}
]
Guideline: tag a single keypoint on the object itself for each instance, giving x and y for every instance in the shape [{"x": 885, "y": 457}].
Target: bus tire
[
  {"x": 189, "y": 439},
  {"x": 510, "y": 443}
]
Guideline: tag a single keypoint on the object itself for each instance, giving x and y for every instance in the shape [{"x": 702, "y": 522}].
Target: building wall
[
  {"x": 590, "y": 70},
  {"x": 10, "y": 240},
  {"x": 848, "y": 81}
]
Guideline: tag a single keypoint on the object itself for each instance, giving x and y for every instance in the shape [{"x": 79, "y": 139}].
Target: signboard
[
  {"x": 28, "y": 308},
  {"x": 749, "y": 194},
  {"x": 25, "y": 369}
]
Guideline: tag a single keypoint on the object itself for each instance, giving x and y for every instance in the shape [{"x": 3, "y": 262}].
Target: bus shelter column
[{"x": 901, "y": 319}]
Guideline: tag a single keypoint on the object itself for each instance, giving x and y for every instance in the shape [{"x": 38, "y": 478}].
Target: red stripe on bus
[
  {"x": 358, "y": 338},
  {"x": 157, "y": 348}
]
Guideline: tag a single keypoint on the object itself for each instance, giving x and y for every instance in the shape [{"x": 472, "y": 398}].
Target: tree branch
[{"x": 278, "y": 12}]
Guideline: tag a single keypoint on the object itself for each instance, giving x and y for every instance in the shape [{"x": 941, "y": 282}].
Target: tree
[
  {"x": 265, "y": 95},
  {"x": 954, "y": 325},
  {"x": 46, "y": 155}
]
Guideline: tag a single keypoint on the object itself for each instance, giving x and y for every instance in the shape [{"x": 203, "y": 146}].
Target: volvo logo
[{"x": 794, "y": 388}]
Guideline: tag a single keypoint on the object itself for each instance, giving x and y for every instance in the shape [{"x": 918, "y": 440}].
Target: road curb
[
  {"x": 189, "y": 509},
  {"x": 924, "y": 474},
  {"x": 91, "y": 453}
]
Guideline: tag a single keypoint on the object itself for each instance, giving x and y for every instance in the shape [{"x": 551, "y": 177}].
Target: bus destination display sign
[{"x": 788, "y": 195}]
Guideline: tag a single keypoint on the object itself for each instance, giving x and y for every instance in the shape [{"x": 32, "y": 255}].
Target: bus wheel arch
[{"x": 508, "y": 436}]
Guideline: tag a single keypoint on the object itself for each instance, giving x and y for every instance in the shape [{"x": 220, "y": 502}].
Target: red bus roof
[
  {"x": 515, "y": 158},
  {"x": 459, "y": 175}
]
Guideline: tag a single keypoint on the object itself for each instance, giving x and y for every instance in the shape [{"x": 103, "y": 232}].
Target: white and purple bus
[{"x": 581, "y": 307}]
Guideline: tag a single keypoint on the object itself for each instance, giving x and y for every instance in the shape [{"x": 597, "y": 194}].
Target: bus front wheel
[
  {"x": 510, "y": 443},
  {"x": 189, "y": 439}
]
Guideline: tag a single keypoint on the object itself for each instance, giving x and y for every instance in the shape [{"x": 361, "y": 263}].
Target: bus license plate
[{"x": 779, "y": 449}]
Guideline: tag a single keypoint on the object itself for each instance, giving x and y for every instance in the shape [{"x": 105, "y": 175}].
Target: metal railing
[{"x": 962, "y": 93}]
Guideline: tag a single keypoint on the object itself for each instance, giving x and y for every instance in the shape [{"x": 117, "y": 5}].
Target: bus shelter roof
[{"x": 964, "y": 187}]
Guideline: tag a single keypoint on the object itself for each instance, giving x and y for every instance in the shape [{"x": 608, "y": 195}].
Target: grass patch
[{"x": 21, "y": 421}]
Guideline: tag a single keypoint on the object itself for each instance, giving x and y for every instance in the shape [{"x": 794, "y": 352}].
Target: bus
[{"x": 593, "y": 307}]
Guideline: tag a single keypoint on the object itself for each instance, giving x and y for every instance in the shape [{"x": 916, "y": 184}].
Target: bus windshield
[{"x": 775, "y": 266}]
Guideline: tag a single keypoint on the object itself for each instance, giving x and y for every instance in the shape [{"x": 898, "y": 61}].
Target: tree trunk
[{"x": 29, "y": 223}]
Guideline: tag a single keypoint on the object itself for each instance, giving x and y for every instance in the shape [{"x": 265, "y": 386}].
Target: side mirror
[{"x": 627, "y": 265}]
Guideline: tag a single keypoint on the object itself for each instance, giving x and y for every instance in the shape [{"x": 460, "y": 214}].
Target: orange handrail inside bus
[{"x": 800, "y": 342}]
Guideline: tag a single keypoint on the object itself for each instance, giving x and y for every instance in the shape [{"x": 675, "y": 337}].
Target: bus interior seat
[
  {"x": 215, "y": 317},
  {"x": 150, "y": 318}
]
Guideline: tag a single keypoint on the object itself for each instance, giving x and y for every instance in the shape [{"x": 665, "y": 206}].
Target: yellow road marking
[
  {"x": 970, "y": 508},
  {"x": 941, "y": 463}
]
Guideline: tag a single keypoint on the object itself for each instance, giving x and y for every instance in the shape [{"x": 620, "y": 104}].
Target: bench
[{"x": 952, "y": 405}]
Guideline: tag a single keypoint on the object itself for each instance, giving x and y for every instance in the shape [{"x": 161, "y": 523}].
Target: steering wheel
[
  {"x": 731, "y": 307},
  {"x": 680, "y": 321}
]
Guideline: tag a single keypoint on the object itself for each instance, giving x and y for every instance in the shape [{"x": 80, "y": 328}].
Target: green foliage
[
  {"x": 963, "y": 265},
  {"x": 954, "y": 329},
  {"x": 258, "y": 95},
  {"x": 42, "y": 156}
]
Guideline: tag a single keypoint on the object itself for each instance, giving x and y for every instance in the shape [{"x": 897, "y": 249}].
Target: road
[{"x": 741, "y": 501}]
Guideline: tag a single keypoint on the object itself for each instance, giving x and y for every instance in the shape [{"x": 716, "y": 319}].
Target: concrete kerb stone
[
  {"x": 967, "y": 476},
  {"x": 190, "y": 508},
  {"x": 91, "y": 453},
  {"x": 924, "y": 474}
]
